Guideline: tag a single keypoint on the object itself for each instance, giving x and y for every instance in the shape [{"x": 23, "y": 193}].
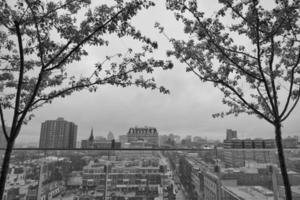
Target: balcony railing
[{"x": 159, "y": 173}]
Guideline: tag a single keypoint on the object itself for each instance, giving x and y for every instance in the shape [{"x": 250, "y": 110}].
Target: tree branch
[
  {"x": 241, "y": 16},
  {"x": 3, "y": 124},
  {"x": 259, "y": 58},
  {"x": 57, "y": 8},
  {"x": 272, "y": 77},
  {"x": 211, "y": 39},
  {"x": 20, "y": 81},
  {"x": 41, "y": 54},
  {"x": 240, "y": 52},
  {"x": 58, "y": 53},
  {"x": 85, "y": 40},
  {"x": 234, "y": 91},
  {"x": 292, "y": 108},
  {"x": 264, "y": 100},
  {"x": 98, "y": 82},
  {"x": 291, "y": 85},
  {"x": 245, "y": 102}
]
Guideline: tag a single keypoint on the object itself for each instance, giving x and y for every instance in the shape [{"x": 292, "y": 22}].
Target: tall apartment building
[
  {"x": 147, "y": 134},
  {"x": 58, "y": 134},
  {"x": 231, "y": 134}
]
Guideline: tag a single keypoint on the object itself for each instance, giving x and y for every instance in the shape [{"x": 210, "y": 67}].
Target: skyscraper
[{"x": 58, "y": 134}]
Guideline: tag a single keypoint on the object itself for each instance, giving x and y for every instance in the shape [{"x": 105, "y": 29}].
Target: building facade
[
  {"x": 139, "y": 178},
  {"x": 147, "y": 134},
  {"x": 231, "y": 134},
  {"x": 58, "y": 134}
]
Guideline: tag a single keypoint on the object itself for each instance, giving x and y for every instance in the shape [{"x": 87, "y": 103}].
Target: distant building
[
  {"x": 258, "y": 143},
  {"x": 110, "y": 136},
  {"x": 123, "y": 139},
  {"x": 126, "y": 179},
  {"x": 231, "y": 134},
  {"x": 246, "y": 193},
  {"x": 238, "y": 157},
  {"x": 100, "y": 143},
  {"x": 58, "y": 134},
  {"x": 290, "y": 142},
  {"x": 147, "y": 134}
]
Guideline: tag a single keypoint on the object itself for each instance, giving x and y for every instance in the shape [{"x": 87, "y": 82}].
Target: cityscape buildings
[
  {"x": 139, "y": 178},
  {"x": 58, "y": 134},
  {"x": 238, "y": 169},
  {"x": 101, "y": 143}
]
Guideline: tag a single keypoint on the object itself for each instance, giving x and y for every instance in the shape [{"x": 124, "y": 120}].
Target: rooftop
[{"x": 250, "y": 193}]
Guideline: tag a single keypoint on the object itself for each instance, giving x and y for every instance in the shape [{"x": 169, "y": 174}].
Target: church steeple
[{"x": 91, "y": 138}]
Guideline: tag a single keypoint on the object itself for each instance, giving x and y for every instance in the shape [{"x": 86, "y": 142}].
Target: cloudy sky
[{"x": 187, "y": 110}]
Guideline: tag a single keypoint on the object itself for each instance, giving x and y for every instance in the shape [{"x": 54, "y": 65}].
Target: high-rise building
[
  {"x": 231, "y": 134},
  {"x": 58, "y": 134}
]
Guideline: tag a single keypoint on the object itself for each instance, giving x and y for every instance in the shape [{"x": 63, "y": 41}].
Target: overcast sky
[{"x": 187, "y": 110}]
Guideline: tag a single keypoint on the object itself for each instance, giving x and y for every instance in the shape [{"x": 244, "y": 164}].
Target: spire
[{"x": 92, "y": 135}]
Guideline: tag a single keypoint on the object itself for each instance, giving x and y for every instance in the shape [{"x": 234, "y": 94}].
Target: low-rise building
[
  {"x": 246, "y": 193},
  {"x": 137, "y": 178}
]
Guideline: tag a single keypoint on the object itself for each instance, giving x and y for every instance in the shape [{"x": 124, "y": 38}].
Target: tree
[
  {"x": 249, "y": 51},
  {"x": 39, "y": 40}
]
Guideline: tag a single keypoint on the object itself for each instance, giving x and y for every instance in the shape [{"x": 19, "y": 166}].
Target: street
[{"x": 178, "y": 188}]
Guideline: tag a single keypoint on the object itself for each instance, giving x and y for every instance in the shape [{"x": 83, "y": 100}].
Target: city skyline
[{"x": 223, "y": 134}]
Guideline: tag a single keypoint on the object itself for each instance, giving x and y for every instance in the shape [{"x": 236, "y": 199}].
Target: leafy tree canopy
[
  {"x": 248, "y": 50},
  {"x": 39, "y": 40}
]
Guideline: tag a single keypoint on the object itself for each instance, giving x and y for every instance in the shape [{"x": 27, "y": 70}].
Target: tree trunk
[
  {"x": 5, "y": 167},
  {"x": 282, "y": 164}
]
